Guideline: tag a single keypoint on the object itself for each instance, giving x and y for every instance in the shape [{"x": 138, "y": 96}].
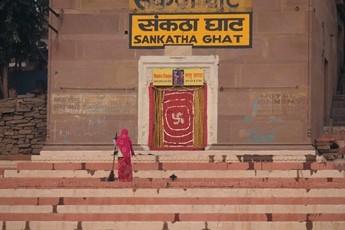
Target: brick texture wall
[{"x": 23, "y": 124}]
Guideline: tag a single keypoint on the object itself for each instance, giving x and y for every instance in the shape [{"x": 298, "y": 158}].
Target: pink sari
[{"x": 124, "y": 144}]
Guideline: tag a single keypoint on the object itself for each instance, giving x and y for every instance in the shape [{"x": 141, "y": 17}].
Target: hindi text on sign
[{"x": 198, "y": 30}]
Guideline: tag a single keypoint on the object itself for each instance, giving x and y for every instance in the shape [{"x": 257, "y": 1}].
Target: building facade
[{"x": 266, "y": 81}]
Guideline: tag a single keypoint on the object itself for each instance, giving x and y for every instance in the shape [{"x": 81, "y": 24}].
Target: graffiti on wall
[
  {"x": 78, "y": 104},
  {"x": 280, "y": 103},
  {"x": 268, "y": 110}
]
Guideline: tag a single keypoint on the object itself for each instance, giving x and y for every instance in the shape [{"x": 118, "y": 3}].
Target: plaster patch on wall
[{"x": 261, "y": 138}]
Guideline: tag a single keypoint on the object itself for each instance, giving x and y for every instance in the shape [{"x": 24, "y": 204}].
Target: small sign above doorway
[{"x": 178, "y": 77}]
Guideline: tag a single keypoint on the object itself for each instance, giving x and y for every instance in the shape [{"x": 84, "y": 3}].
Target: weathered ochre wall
[
  {"x": 265, "y": 89},
  {"x": 264, "y": 95},
  {"x": 324, "y": 49}
]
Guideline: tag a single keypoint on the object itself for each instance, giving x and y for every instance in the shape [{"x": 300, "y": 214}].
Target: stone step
[
  {"x": 178, "y": 174},
  {"x": 8, "y": 164},
  {"x": 214, "y": 190},
  {"x": 339, "y": 122},
  {"x": 171, "y": 193},
  {"x": 338, "y": 111},
  {"x": 174, "y": 208},
  {"x": 104, "y": 201},
  {"x": 334, "y": 130},
  {"x": 338, "y": 103},
  {"x": 338, "y": 117},
  {"x": 140, "y": 183},
  {"x": 339, "y": 97},
  {"x": 176, "y": 217},
  {"x": 165, "y": 166},
  {"x": 179, "y": 156},
  {"x": 332, "y": 136},
  {"x": 191, "y": 225}
]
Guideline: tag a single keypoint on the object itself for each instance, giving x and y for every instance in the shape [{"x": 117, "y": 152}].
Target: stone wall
[
  {"x": 23, "y": 124},
  {"x": 275, "y": 86}
]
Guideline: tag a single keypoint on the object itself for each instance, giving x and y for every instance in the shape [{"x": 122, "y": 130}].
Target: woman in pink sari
[{"x": 124, "y": 146}]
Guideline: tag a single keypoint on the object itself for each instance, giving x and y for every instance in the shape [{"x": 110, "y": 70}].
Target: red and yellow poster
[{"x": 178, "y": 77}]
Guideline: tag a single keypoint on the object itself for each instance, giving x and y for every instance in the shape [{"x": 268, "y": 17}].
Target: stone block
[
  {"x": 25, "y": 150},
  {"x": 289, "y": 48},
  {"x": 24, "y": 109},
  {"x": 178, "y": 51},
  {"x": 295, "y": 5},
  {"x": 53, "y": 225},
  {"x": 112, "y": 72},
  {"x": 7, "y": 118},
  {"x": 15, "y": 225},
  {"x": 273, "y": 75},
  {"x": 9, "y": 133},
  {"x": 9, "y": 147},
  {"x": 65, "y": 4},
  {"x": 36, "y": 151},
  {"x": 21, "y": 141},
  {"x": 107, "y": 49},
  {"x": 104, "y": 5},
  {"x": 34, "y": 141},
  {"x": 14, "y": 122},
  {"x": 22, "y": 146},
  {"x": 30, "y": 124},
  {"x": 281, "y": 22},
  {"x": 41, "y": 125},
  {"x": 14, "y": 150},
  {"x": 7, "y": 110},
  {"x": 25, "y": 131},
  {"x": 65, "y": 50},
  {"x": 90, "y": 24},
  {"x": 266, "y": 5},
  {"x": 28, "y": 95}
]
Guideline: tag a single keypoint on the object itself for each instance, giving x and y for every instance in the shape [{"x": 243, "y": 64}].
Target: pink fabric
[{"x": 124, "y": 144}]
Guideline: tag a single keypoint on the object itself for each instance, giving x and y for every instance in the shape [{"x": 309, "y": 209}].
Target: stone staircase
[
  {"x": 338, "y": 110},
  {"x": 213, "y": 190},
  {"x": 335, "y": 132}
]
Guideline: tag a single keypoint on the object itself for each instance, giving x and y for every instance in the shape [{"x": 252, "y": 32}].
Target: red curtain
[{"x": 178, "y": 119}]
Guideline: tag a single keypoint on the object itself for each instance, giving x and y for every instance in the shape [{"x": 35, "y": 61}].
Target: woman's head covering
[
  {"x": 124, "y": 132},
  {"x": 123, "y": 142}
]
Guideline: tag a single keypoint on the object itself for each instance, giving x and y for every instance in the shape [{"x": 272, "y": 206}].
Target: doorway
[
  {"x": 167, "y": 106},
  {"x": 326, "y": 110},
  {"x": 178, "y": 118}
]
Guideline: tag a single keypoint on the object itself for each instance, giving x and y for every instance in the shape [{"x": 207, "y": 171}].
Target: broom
[{"x": 111, "y": 176}]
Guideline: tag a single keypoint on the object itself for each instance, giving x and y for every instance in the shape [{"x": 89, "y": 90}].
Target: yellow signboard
[
  {"x": 193, "y": 77},
  {"x": 162, "y": 77},
  {"x": 189, "y": 6},
  {"x": 178, "y": 77},
  {"x": 198, "y": 30}
]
